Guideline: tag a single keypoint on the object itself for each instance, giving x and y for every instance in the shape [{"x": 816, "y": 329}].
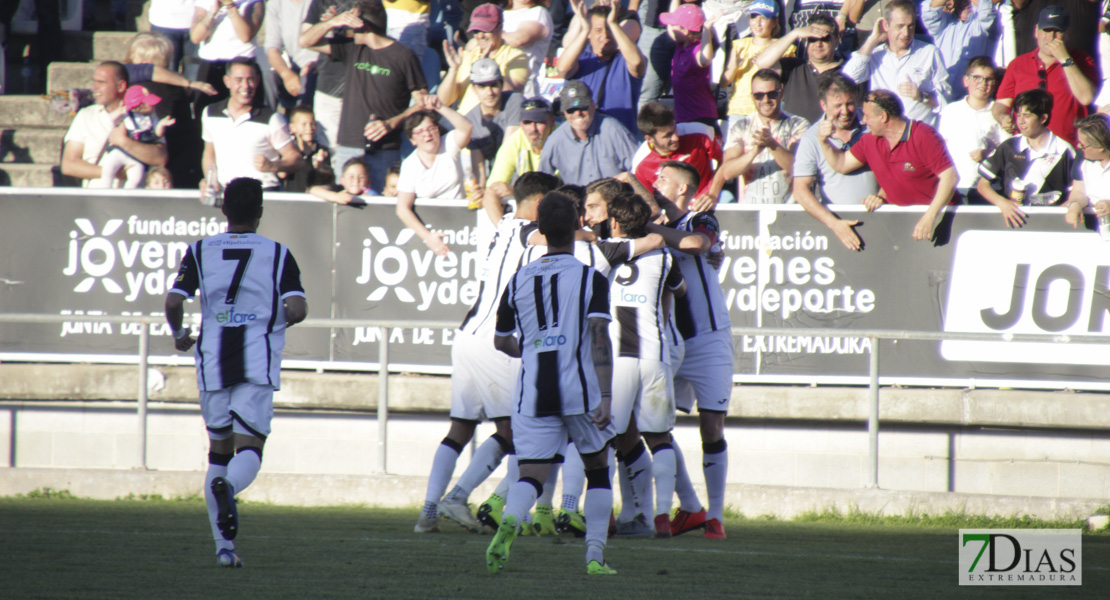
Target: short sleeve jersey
[
  {"x": 636, "y": 294},
  {"x": 703, "y": 308},
  {"x": 695, "y": 147},
  {"x": 444, "y": 179},
  {"x": 765, "y": 182},
  {"x": 503, "y": 258},
  {"x": 1046, "y": 174},
  {"x": 548, "y": 303},
  {"x": 242, "y": 279},
  {"x": 908, "y": 172}
]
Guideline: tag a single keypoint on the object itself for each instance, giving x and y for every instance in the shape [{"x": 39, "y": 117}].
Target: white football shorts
[
  {"x": 252, "y": 403},
  {"x": 541, "y": 438},
  {"x": 482, "y": 378},
  {"x": 705, "y": 373},
  {"x": 642, "y": 387}
]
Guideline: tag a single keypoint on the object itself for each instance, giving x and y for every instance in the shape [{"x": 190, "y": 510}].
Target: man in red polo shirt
[
  {"x": 692, "y": 143},
  {"x": 1069, "y": 75},
  {"x": 909, "y": 159}
]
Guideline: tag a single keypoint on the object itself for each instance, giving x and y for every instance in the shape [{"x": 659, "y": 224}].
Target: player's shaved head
[
  {"x": 558, "y": 219},
  {"x": 534, "y": 185},
  {"x": 243, "y": 201}
]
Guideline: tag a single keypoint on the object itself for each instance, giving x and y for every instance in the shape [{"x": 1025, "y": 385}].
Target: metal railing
[{"x": 384, "y": 325}]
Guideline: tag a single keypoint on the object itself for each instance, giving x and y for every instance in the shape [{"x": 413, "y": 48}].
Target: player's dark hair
[
  {"x": 834, "y": 80},
  {"x": 532, "y": 184},
  {"x": 248, "y": 62},
  {"x": 415, "y": 119},
  {"x": 768, "y": 75},
  {"x": 1036, "y": 101},
  {"x": 576, "y": 193},
  {"x": 118, "y": 69},
  {"x": 886, "y": 101},
  {"x": 608, "y": 188},
  {"x": 826, "y": 21},
  {"x": 372, "y": 13},
  {"x": 242, "y": 200},
  {"x": 654, "y": 116},
  {"x": 300, "y": 109},
  {"x": 693, "y": 178},
  {"x": 558, "y": 218},
  {"x": 981, "y": 62},
  {"x": 631, "y": 213}
]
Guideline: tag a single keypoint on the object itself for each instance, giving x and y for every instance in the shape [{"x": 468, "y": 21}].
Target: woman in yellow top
[{"x": 763, "y": 19}]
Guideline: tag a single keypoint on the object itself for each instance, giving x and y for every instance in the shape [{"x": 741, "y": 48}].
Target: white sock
[
  {"x": 549, "y": 485},
  {"x": 687, "y": 497},
  {"x": 512, "y": 473},
  {"x": 639, "y": 478},
  {"x": 242, "y": 470},
  {"x": 215, "y": 471},
  {"x": 522, "y": 495},
  {"x": 715, "y": 466},
  {"x": 663, "y": 470},
  {"x": 599, "y": 505},
  {"x": 443, "y": 467},
  {"x": 485, "y": 461},
  {"x": 574, "y": 479},
  {"x": 628, "y": 497}
]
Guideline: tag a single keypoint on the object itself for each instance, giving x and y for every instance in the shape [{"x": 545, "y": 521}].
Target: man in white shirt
[
  {"x": 94, "y": 128},
  {"x": 968, "y": 127},
  {"x": 912, "y": 69},
  {"x": 247, "y": 141}
]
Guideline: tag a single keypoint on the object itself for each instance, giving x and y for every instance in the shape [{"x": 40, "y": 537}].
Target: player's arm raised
[{"x": 690, "y": 243}]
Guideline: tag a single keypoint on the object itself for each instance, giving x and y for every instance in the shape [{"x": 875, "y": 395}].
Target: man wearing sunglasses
[
  {"x": 520, "y": 153},
  {"x": 589, "y": 146},
  {"x": 1066, "y": 73},
  {"x": 761, "y": 146},
  {"x": 799, "y": 77},
  {"x": 893, "y": 60}
]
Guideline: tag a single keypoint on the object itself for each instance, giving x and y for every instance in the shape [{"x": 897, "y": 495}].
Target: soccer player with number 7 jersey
[{"x": 250, "y": 293}]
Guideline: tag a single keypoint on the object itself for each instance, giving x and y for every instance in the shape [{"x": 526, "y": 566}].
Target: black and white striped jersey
[
  {"x": 502, "y": 259},
  {"x": 636, "y": 303},
  {"x": 242, "y": 278},
  {"x": 703, "y": 307},
  {"x": 548, "y": 303},
  {"x": 601, "y": 256}
]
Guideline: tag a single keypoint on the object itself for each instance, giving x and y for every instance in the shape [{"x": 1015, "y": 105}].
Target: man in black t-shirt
[
  {"x": 384, "y": 85},
  {"x": 331, "y": 74}
]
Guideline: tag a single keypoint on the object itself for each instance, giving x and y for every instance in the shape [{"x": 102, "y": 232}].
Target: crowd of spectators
[{"x": 818, "y": 103}]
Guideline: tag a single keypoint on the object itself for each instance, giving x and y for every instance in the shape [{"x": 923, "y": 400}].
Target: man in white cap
[{"x": 495, "y": 118}]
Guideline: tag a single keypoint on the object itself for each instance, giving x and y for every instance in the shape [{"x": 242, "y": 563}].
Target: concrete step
[
  {"x": 30, "y": 111},
  {"x": 39, "y": 145},
  {"x": 30, "y": 175},
  {"x": 84, "y": 46},
  {"x": 66, "y": 75}
]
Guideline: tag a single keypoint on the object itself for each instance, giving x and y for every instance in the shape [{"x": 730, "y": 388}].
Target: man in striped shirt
[{"x": 250, "y": 293}]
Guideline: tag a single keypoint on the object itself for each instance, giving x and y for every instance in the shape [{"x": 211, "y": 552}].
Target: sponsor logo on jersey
[
  {"x": 230, "y": 317},
  {"x": 550, "y": 342}
]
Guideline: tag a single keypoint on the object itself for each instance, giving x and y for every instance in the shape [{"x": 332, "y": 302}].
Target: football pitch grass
[{"x": 72, "y": 548}]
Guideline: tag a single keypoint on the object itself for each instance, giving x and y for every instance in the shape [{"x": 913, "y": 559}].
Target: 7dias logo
[
  {"x": 1028, "y": 282},
  {"x": 1021, "y": 557}
]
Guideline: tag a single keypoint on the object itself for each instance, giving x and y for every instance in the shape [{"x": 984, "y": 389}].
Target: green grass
[{"x": 57, "y": 546}]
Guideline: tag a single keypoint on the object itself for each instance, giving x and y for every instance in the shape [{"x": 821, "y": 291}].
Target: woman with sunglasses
[
  {"x": 1092, "y": 179},
  {"x": 434, "y": 170}
]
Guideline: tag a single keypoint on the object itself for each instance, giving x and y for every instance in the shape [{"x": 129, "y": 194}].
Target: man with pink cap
[{"x": 485, "y": 42}]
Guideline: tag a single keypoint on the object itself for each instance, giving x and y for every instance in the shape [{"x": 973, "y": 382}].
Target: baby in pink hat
[{"x": 135, "y": 112}]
